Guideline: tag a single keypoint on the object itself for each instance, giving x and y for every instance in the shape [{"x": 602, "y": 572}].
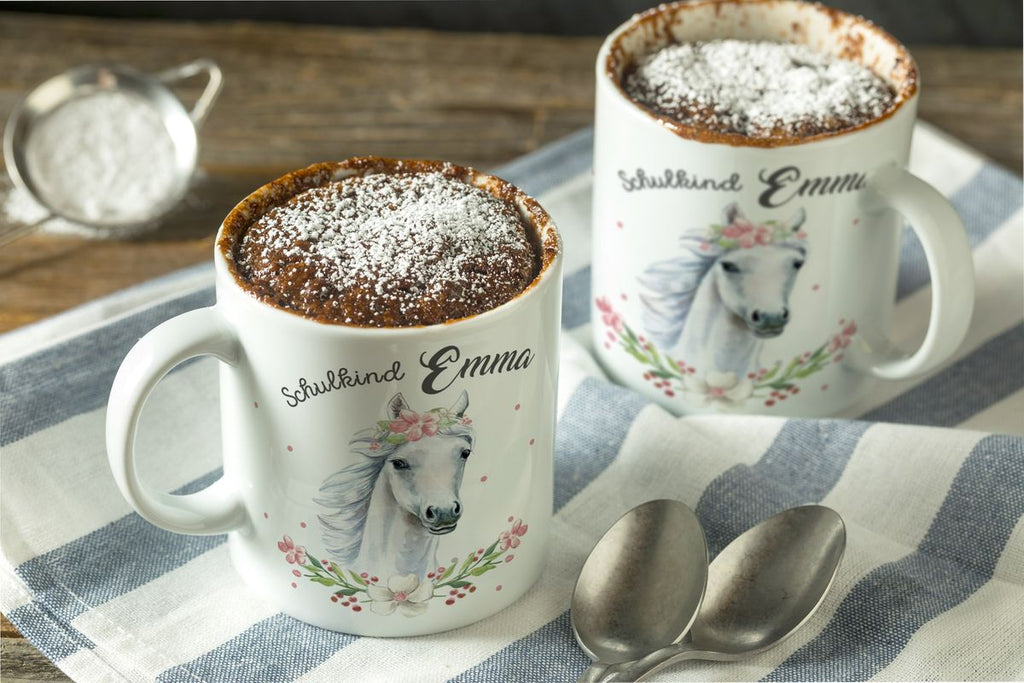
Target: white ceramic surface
[
  {"x": 413, "y": 496},
  {"x": 729, "y": 276}
]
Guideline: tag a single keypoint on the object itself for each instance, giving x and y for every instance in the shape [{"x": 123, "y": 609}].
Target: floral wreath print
[
  {"x": 385, "y": 513},
  {"x": 407, "y": 594},
  {"x": 691, "y": 305}
]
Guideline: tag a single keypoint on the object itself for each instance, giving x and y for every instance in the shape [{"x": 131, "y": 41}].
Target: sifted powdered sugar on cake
[
  {"x": 388, "y": 250},
  {"x": 758, "y": 89}
]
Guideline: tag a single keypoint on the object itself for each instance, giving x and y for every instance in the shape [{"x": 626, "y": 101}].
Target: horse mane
[
  {"x": 673, "y": 284},
  {"x": 347, "y": 492}
]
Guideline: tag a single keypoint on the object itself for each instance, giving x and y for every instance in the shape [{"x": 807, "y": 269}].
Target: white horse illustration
[
  {"x": 714, "y": 307},
  {"x": 389, "y": 510}
]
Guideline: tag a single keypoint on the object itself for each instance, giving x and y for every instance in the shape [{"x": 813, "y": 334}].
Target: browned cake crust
[{"x": 387, "y": 243}]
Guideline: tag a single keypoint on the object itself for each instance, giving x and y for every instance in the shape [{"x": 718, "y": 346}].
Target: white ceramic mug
[
  {"x": 731, "y": 273},
  {"x": 385, "y": 482}
]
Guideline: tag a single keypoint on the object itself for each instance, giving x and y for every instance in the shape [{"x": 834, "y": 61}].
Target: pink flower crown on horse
[
  {"x": 412, "y": 426},
  {"x": 740, "y": 233}
]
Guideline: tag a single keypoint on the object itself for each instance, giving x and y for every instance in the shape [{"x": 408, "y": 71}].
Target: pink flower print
[
  {"x": 838, "y": 341},
  {"x": 375, "y": 446},
  {"x": 801, "y": 235},
  {"x": 510, "y": 539},
  {"x": 763, "y": 235},
  {"x": 850, "y": 329},
  {"x": 612, "y": 320},
  {"x": 747, "y": 240},
  {"x": 608, "y": 315},
  {"x": 743, "y": 224},
  {"x": 732, "y": 231},
  {"x": 415, "y": 425},
  {"x": 465, "y": 420},
  {"x": 294, "y": 554}
]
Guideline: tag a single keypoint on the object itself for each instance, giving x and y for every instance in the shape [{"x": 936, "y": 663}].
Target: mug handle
[
  {"x": 950, "y": 264},
  {"x": 215, "y": 79},
  {"x": 216, "y": 509}
]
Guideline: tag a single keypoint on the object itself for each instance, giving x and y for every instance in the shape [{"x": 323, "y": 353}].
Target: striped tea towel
[{"x": 928, "y": 475}]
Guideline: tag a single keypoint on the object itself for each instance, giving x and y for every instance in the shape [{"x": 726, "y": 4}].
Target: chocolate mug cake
[{"x": 403, "y": 244}]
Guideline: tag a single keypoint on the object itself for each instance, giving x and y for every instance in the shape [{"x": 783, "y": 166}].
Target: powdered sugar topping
[
  {"x": 389, "y": 249},
  {"x": 758, "y": 89}
]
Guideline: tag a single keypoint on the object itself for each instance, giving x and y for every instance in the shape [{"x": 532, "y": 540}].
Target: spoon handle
[
  {"x": 594, "y": 673},
  {"x": 641, "y": 668}
]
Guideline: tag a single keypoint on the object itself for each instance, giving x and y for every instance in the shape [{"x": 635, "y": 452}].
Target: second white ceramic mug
[{"x": 732, "y": 274}]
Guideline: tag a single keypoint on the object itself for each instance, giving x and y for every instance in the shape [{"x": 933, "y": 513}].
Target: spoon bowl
[
  {"x": 761, "y": 588},
  {"x": 642, "y": 584}
]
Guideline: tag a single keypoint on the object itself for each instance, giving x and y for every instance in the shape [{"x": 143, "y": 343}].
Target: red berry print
[
  {"x": 334, "y": 598},
  {"x": 450, "y": 601},
  {"x": 769, "y": 403},
  {"x": 357, "y": 608}
]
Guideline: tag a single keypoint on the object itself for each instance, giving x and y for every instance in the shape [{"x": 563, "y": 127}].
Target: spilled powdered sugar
[
  {"x": 758, "y": 89},
  {"x": 389, "y": 250}
]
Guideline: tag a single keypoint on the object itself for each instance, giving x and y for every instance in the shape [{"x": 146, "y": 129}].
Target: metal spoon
[
  {"x": 641, "y": 586},
  {"x": 761, "y": 588}
]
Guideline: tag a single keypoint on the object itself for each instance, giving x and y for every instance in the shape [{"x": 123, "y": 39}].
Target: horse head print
[
  {"x": 715, "y": 305},
  {"x": 387, "y": 511}
]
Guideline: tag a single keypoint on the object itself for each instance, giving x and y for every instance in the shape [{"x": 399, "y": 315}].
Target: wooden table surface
[{"x": 294, "y": 95}]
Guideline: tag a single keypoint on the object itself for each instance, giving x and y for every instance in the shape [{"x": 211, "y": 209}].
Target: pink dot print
[
  {"x": 266, "y": 515},
  {"x": 618, "y": 224},
  {"x": 498, "y": 587},
  {"x": 483, "y": 479},
  {"x": 255, "y": 404},
  {"x": 533, "y": 441},
  {"x": 517, "y": 407},
  {"x": 815, "y": 287},
  {"x": 302, "y": 524},
  {"x": 290, "y": 449}
]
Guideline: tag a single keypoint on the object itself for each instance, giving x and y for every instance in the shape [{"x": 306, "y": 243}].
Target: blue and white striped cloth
[{"x": 931, "y": 587}]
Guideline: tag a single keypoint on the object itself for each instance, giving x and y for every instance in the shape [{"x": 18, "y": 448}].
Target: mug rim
[
  {"x": 283, "y": 188},
  {"x": 612, "y": 58}
]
